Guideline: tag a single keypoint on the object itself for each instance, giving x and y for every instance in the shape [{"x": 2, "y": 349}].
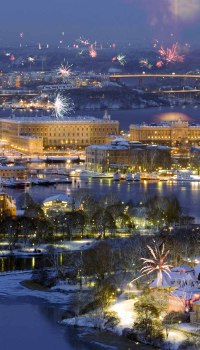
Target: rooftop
[
  {"x": 59, "y": 198},
  {"x": 124, "y": 145},
  {"x": 12, "y": 167},
  {"x": 53, "y": 120},
  {"x": 166, "y": 124}
]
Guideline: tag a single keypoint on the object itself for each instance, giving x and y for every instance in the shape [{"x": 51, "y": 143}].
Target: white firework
[
  {"x": 62, "y": 106},
  {"x": 31, "y": 59},
  {"x": 121, "y": 59},
  {"x": 64, "y": 72}
]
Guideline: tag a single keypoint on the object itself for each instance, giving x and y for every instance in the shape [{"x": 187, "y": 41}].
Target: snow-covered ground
[
  {"x": 27, "y": 251},
  {"x": 64, "y": 287},
  {"x": 125, "y": 310},
  {"x": 74, "y": 245},
  {"x": 10, "y": 286}
]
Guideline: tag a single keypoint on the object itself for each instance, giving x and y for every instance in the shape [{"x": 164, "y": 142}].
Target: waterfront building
[
  {"x": 33, "y": 135},
  {"x": 125, "y": 155},
  {"x": 7, "y": 206},
  {"x": 15, "y": 172},
  {"x": 176, "y": 133}
]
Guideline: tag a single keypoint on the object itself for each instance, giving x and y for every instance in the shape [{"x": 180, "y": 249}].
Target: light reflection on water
[{"x": 187, "y": 192}]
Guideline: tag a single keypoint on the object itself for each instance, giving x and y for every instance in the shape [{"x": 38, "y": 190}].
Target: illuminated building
[
  {"x": 195, "y": 313},
  {"x": 16, "y": 172},
  {"x": 7, "y": 206},
  {"x": 58, "y": 203},
  {"x": 122, "y": 154},
  {"x": 32, "y": 135},
  {"x": 175, "y": 133}
]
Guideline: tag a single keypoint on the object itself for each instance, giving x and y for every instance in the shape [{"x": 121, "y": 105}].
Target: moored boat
[
  {"x": 136, "y": 177},
  {"x": 129, "y": 177},
  {"x": 116, "y": 176}
]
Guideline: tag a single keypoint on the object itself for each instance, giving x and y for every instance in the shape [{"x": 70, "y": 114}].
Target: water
[
  {"x": 30, "y": 323},
  {"x": 186, "y": 192}
]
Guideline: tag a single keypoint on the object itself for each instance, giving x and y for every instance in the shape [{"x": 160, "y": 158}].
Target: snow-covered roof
[
  {"x": 179, "y": 276},
  {"x": 59, "y": 197},
  {"x": 52, "y": 120},
  {"x": 12, "y": 167},
  {"x": 182, "y": 269},
  {"x": 197, "y": 270},
  {"x": 186, "y": 292}
]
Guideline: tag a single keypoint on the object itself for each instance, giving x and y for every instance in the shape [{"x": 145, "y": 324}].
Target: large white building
[{"x": 33, "y": 134}]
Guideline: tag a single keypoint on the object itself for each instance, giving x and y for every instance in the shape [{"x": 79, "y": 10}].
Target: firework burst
[
  {"x": 64, "y": 72},
  {"x": 31, "y": 59},
  {"x": 92, "y": 52},
  {"x": 62, "y": 106},
  {"x": 169, "y": 55},
  {"x": 83, "y": 41},
  {"x": 156, "y": 263},
  {"x": 120, "y": 58},
  {"x": 144, "y": 62}
]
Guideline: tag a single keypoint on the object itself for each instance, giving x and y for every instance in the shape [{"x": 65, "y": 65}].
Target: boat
[
  {"x": 39, "y": 182},
  {"x": 136, "y": 177},
  {"x": 149, "y": 176},
  {"x": 94, "y": 174},
  {"x": 186, "y": 176},
  {"x": 87, "y": 173},
  {"x": 102, "y": 175},
  {"x": 63, "y": 181},
  {"x": 3, "y": 160},
  {"x": 164, "y": 178},
  {"x": 74, "y": 172},
  {"x": 8, "y": 183},
  {"x": 129, "y": 177},
  {"x": 22, "y": 184},
  {"x": 20, "y": 161},
  {"x": 12, "y": 183},
  {"x": 116, "y": 176}
]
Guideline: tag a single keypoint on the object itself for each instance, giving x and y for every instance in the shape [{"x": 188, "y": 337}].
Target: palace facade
[
  {"x": 33, "y": 135},
  {"x": 176, "y": 133}
]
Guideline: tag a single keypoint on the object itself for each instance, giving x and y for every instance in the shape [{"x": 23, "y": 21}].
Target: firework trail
[{"x": 157, "y": 263}]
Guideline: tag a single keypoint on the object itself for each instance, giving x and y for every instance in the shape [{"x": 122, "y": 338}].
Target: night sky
[{"x": 138, "y": 21}]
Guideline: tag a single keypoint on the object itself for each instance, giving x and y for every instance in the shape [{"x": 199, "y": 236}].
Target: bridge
[
  {"x": 182, "y": 91},
  {"x": 173, "y": 75},
  {"x": 5, "y": 93}
]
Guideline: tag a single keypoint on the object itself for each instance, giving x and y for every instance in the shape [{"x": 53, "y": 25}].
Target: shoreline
[{"x": 109, "y": 340}]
